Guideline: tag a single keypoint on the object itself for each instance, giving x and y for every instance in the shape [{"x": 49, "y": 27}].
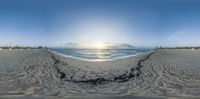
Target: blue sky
[{"x": 136, "y": 22}]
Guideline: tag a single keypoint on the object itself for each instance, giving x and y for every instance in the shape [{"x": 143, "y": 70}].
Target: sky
[{"x": 135, "y": 22}]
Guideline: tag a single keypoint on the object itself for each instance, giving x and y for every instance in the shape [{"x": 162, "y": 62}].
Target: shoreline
[
  {"x": 101, "y": 60},
  {"x": 134, "y": 70}
]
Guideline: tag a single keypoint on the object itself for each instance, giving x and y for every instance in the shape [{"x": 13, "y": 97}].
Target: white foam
[{"x": 94, "y": 60}]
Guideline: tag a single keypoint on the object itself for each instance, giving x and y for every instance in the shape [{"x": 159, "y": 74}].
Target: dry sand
[{"x": 38, "y": 73}]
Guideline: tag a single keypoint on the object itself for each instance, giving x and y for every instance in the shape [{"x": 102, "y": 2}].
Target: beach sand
[{"x": 41, "y": 73}]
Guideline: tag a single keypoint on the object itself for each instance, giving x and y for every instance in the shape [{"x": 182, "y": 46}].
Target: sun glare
[{"x": 99, "y": 45}]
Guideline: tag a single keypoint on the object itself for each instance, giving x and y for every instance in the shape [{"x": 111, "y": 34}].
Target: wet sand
[{"x": 173, "y": 73}]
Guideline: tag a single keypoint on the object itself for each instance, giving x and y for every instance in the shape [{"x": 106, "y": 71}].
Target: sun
[{"x": 99, "y": 45}]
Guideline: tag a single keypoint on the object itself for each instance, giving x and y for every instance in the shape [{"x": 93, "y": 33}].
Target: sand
[{"x": 41, "y": 73}]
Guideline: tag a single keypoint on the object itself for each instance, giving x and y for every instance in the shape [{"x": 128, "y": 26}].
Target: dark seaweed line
[
  {"x": 56, "y": 62},
  {"x": 139, "y": 65},
  {"x": 135, "y": 72}
]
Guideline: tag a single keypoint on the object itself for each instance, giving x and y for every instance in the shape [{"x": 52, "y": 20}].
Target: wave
[{"x": 99, "y": 55}]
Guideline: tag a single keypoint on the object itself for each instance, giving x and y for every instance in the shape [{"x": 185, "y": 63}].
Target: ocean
[{"x": 99, "y": 54}]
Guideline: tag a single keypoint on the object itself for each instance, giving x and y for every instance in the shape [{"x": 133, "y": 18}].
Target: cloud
[
  {"x": 108, "y": 46},
  {"x": 178, "y": 39},
  {"x": 176, "y": 36},
  {"x": 184, "y": 38}
]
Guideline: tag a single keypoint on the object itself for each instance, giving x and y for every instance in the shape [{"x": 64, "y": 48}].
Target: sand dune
[{"x": 38, "y": 72}]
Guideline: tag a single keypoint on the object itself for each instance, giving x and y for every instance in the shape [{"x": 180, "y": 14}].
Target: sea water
[{"x": 99, "y": 54}]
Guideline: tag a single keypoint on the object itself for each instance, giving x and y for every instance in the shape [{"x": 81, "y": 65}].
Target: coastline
[
  {"x": 96, "y": 60},
  {"x": 130, "y": 65}
]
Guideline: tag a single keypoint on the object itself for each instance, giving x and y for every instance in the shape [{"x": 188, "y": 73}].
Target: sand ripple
[{"x": 42, "y": 73}]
